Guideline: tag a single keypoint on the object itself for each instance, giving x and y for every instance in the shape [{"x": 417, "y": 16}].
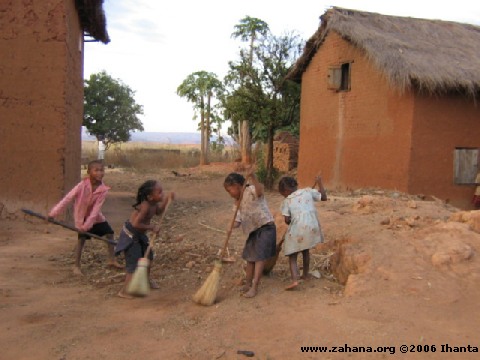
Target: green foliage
[
  {"x": 262, "y": 172},
  {"x": 256, "y": 86},
  {"x": 201, "y": 88},
  {"x": 217, "y": 146},
  {"x": 277, "y": 54},
  {"x": 110, "y": 110},
  {"x": 250, "y": 28},
  {"x": 257, "y": 89},
  {"x": 198, "y": 86}
]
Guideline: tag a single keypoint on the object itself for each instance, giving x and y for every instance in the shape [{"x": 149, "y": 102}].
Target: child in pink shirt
[{"x": 89, "y": 196}]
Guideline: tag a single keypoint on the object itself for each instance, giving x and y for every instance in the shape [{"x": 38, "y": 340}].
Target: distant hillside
[
  {"x": 164, "y": 137},
  {"x": 167, "y": 137},
  {"x": 160, "y": 137}
]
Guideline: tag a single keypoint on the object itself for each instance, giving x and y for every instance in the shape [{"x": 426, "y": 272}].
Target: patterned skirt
[{"x": 261, "y": 243}]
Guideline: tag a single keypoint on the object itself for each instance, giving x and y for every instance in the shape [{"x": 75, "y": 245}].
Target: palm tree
[
  {"x": 249, "y": 29},
  {"x": 199, "y": 88}
]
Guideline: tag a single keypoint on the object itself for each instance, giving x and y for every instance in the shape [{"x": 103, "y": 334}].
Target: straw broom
[
  {"x": 207, "y": 294},
  {"x": 139, "y": 284}
]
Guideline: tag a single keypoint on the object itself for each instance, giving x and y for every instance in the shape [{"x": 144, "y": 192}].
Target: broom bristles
[
  {"x": 207, "y": 294},
  {"x": 139, "y": 285}
]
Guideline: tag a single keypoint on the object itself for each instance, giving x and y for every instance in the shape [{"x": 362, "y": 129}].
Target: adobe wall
[
  {"x": 41, "y": 102},
  {"x": 357, "y": 138},
  {"x": 441, "y": 124}
]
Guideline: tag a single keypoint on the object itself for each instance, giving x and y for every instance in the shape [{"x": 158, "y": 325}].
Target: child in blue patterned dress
[{"x": 304, "y": 230}]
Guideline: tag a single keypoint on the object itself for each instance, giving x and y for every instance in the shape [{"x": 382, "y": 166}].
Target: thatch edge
[
  {"x": 92, "y": 19},
  {"x": 404, "y": 75}
]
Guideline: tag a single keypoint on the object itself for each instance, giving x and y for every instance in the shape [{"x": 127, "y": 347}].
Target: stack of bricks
[{"x": 285, "y": 152}]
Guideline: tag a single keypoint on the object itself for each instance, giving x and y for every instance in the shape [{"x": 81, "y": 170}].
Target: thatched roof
[
  {"x": 92, "y": 19},
  {"x": 428, "y": 55}
]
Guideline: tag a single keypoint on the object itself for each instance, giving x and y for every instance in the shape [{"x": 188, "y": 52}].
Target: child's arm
[
  {"x": 321, "y": 189},
  {"x": 285, "y": 210},
  {"x": 62, "y": 204},
  {"x": 259, "y": 189},
  {"x": 238, "y": 220},
  {"x": 163, "y": 203}
]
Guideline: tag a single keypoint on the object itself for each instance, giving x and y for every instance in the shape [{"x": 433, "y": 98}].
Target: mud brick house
[
  {"x": 41, "y": 97},
  {"x": 390, "y": 102}
]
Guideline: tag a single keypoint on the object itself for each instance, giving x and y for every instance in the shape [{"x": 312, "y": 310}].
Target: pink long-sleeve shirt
[{"x": 87, "y": 206}]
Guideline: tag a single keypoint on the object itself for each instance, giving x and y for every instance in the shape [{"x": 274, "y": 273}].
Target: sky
[{"x": 155, "y": 44}]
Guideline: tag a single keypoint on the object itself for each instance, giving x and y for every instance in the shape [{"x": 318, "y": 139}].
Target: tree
[
  {"x": 249, "y": 30},
  {"x": 110, "y": 110},
  {"x": 266, "y": 99},
  {"x": 282, "y": 97},
  {"x": 200, "y": 88}
]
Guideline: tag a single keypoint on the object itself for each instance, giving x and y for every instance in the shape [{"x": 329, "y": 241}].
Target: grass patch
[{"x": 151, "y": 155}]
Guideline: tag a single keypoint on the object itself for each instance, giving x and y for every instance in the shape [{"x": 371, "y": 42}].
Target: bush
[{"x": 262, "y": 169}]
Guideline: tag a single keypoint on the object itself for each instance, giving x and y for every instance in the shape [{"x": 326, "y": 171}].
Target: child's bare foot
[
  {"x": 124, "y": 295},
  {"x": 153, "y": 284},
  {"x": 77, "y": 271},
  {"x": 245, "y": 288},
  {"x": 250, "y": 293},
  {"x": 115, "y": 264},
  {"x": 292, "y": 286}
]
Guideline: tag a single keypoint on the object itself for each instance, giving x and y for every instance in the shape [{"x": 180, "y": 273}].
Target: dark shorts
[
  {"x": 99, "y": 229},
  {"x": 133, "y": 244},
  {"x": 135, "y": 252},
  {"x": 261, "y": 244}
]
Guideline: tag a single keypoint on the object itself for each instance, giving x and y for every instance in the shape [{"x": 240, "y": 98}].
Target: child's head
[
  {"x": 96, "y": 170},
  {"x": 287, "y": 185},
  {"x": 233, "y": 184},
  {"x": 151, "y": 191}
]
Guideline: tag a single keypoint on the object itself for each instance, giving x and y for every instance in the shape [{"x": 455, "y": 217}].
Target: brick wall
[
  {"x": 285, "y": 151},
  {"x": 41, "y": 102},
  {"x": 373, "y": 136},
  {"x": 441, "y": 124},
  {"x": 356, "y": 138}
]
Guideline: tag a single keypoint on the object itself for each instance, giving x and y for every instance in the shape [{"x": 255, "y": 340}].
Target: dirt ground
[{"x": 395, "y": 270}]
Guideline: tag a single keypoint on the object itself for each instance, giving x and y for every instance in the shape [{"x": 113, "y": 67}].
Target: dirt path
[{"x": 412, "y": 279}]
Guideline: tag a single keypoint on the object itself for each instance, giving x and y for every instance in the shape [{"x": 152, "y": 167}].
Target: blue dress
[{"x": 304, "y": 230}]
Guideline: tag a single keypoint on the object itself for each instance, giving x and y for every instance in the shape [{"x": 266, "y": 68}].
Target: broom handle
[
  {"x": 66, "y": 226},
  {"x": 229, "y": 232},
  {"x": 155, "y": 234}
]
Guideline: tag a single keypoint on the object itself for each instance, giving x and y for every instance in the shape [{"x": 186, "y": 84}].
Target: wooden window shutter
[
  {"x": 334, "y": 78},
  {"x": 465, "y": 161}
]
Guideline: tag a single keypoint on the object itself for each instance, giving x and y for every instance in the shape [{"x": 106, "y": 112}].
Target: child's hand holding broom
[{"x": 321, "y": 189}]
